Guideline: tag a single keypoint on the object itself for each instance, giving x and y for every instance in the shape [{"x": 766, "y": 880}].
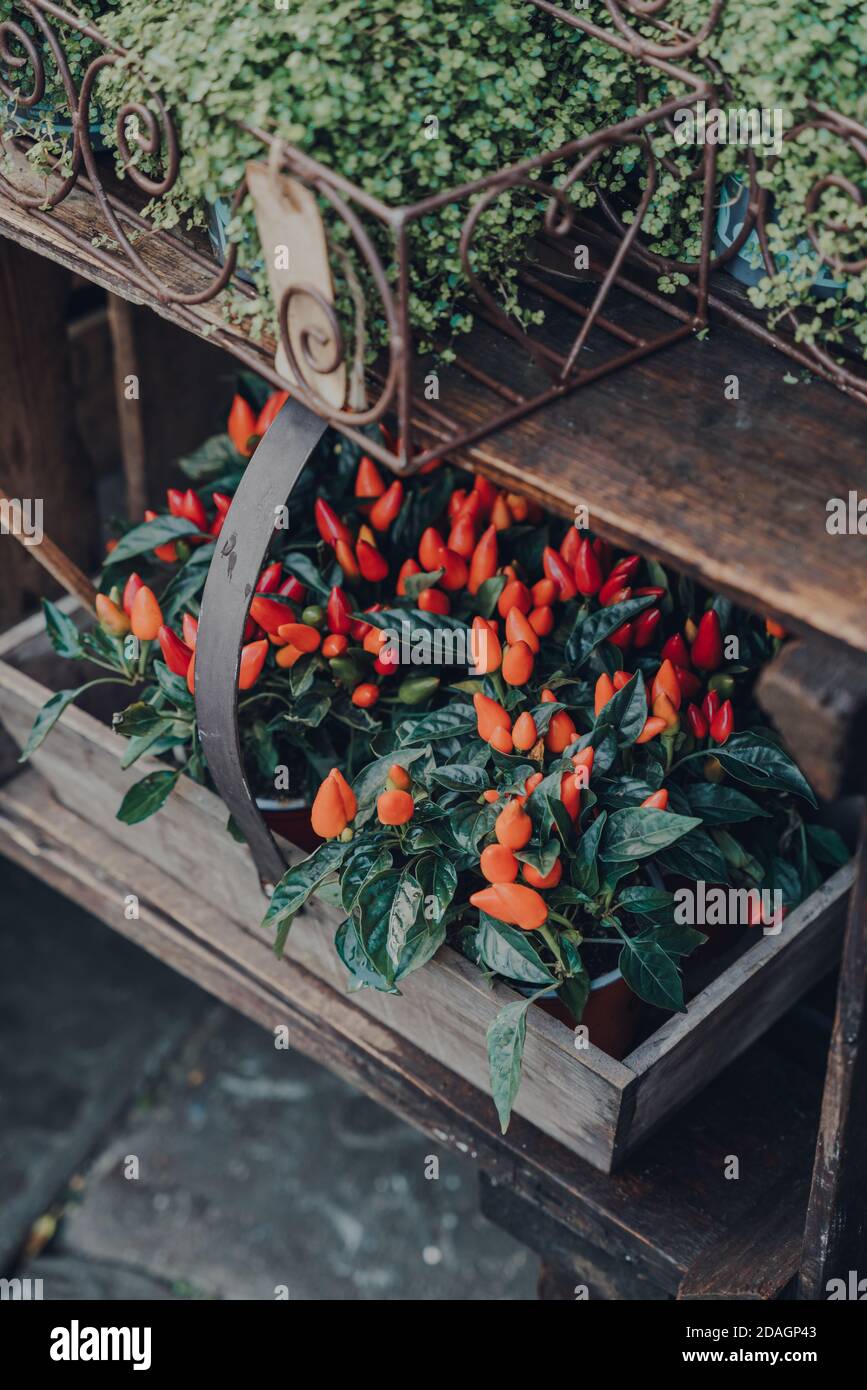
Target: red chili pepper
[
  {"x": 614, "y": 590},
  {"x": 338, "y": 612},
  {"x": 292, "y": 589},
  {"x": 622, "y": 636},
  {"x": 174, "y": 501},
  {"x": 570, "y": 545},
  {"x": 269, "y": 580},
  {"x": 456, "y": 501},
  {"x": 674, "y": 648},
  {"x": 241, "y": 425},
  {"x": 689, "y": 683},
  {"x": 372, "y": 564},
  {"x": 645, "y": 627},
  {"x": 130, "y": 589},
  {"x": 407, "y": 570},
  {"x": 190, "y": 629},
  {"x": 270, "y": 614},
  {"x": 723, "y": 722},
  {"x": 555, "y": 568},
  {"x": 433, "y": 601},
  {"x": 368, "y": 480},
  {"x": 386, "y": 507},
  {"x": 176, "y": 654},
  {"x": 658, "y": 801},
  {"x": 252, "y": 661},
  {"x": 329, "y": 525},
  {"x": 604, "y": 553},
  {"x": 707, "y": 649},
  {"x": 222, "y": 501},
  {"x": 710, "y": 704},
  {"x": 483, "y": 564},
  {"x": 455, "y": 569},
  {"x": 615, "y": 596},
  {"x": 648, "y": 591},
  {"x": 487, "y": 493},
  {"x": 462, "y": 536},
  {"x": 697, "y": 721},
  {"x": 625, "y": 568},
  {"x": 588, "y": 571},
  {"x": 193, "y": 509},
  {"x": 358, "y": 628},
  {"x": 270, "y": 410}
]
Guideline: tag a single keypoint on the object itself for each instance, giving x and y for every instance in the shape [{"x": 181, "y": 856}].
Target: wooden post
[
  {"x": 41, "y": 456},
  {"x": 835, "y": 1238}
]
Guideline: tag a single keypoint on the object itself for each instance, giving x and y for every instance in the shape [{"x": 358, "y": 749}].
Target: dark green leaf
[
  {"x": 510, "y": 952},
  {"x": 651, "y": 973},
  {"x": 585, "y": 873},
  {"x": 47, "y": 718},
  {"x": 721, "y": 805},
  {"x": 362, "y": 973},
  {"x": 300, "y": 880},
  {"x": 461, "y": 777},
  {"x": 695, "y": 856},
  {"x": 147, "y": 796},
  {"x": 450, "y": 722},
  {"x": 147, "y": 536},
  {"x": 405, "y": 908},
  {"x": 827, "y": 846},
  {"x": 138, "y": 719},
  {"x": 505, "y": 1040},
  {"x": 755, "y": 759},
  {"x": 636, "y": 833},
  {"x": 63, "y": 634},
  {"x": 589, "y": 632}
]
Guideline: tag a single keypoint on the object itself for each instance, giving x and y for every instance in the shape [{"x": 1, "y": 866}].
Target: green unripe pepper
[
  {"x": 313, "y": 615},
  {"x": 347, "y": 670},
  {"x": 723, "y": 685},
  {"x": 416, "y": 689}
]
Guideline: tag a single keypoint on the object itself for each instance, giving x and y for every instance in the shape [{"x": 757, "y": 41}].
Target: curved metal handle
[{"x": 239, "y": 552}]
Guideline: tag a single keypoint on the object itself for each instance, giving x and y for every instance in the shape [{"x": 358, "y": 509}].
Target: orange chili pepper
[
  {"x": 252, "y": 661},
  {"x": 603, "y": 693},
  {"x": 513, "y": 827},
  {"x": 114, "y": 620},
  {"x": 658, "y": 801},
  {"x": 486, "y": 649},
  {"x": 335, "y": 644},
  {"x": 501, "y": 739},
  {"x": 365, "y": 695},
  {"x": 541, "y": 620},
  {"x": 483, "y": 564},
  {"x": 429, "y": 547},
  {"x": 386, "y": 507},
  {"x": 561, "y": 732},
  {"x": 665, "y": 681},
  {"x": 490, "y": 715},
  {"x": 518, "y": 629},
  {"x": 544, "y": 592},
  {"x": 241, "y": 425},
  {"x": 146, "y": 617},
  {"x": 512, "y": 903},
  {"x": 514, "y": 595},
  {"x": 399, "y": 777},
  {"x": 524, "y": 733},
  {"x": 498, "y": 864},
  {"x": 548, "y": 880},
  {"x": 300, "y": 635},
  {"x": 518, "y": 662},
  {"x": 501, "y": 516},
  {"x": 395, "y": 808},
  {"x": 652, "y": 727},
  {"x": 407, "y": 570}
]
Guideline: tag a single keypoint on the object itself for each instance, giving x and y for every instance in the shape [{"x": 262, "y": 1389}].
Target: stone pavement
[{"x": 179, "y": 1154}]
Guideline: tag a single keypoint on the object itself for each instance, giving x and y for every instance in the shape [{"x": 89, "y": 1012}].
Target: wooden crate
[{"x": 598, "y": 1107}]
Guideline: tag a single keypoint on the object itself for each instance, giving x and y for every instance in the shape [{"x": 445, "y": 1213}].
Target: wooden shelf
[
  {"x": 667, "y": 1212},
  {"x": 732, "y": 492}
]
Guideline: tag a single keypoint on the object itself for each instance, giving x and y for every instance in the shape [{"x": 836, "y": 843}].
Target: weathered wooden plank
[
  {"x": 669, "y": 1205},
  {"x": 759, "y": 1258},
  {"x": 835, "y": 1241},
  {"x": 41, "y": 458},
  {"x": 816, "y": 694},
  {"x": 734, "y": 492},
  {"x": 739, "y": 1005}
]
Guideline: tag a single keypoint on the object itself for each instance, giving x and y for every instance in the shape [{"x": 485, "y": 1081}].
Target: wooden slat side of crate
[
  {"x": 736, "y": 1008},
  {"x": 575, "y": 1097}
]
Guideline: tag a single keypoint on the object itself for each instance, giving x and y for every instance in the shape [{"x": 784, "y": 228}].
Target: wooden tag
[{"x": 296, "y": 253}]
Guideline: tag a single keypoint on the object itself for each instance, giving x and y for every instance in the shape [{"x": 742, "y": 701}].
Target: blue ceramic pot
[{"x": 748, "y": 265}]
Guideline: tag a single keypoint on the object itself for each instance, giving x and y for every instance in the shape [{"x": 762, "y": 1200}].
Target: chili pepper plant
[{"x": 514, "y": 738}]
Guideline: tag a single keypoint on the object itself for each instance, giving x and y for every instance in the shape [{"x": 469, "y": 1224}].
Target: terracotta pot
[
  {"x": 611, "y": 1014},
  {"x": 291, "y": 820}
]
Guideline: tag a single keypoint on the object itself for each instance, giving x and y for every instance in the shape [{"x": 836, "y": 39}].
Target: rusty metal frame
[{"x": 421, "y": 431}]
